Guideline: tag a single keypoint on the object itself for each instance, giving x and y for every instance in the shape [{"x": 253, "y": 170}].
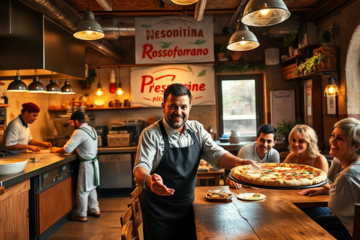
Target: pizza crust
[{"x": 279, "y": 174}]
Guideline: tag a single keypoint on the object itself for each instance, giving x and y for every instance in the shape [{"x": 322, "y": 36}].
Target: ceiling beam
[
  {"x": 177, "y": 12},
  {"x": 324, "y": 8}
]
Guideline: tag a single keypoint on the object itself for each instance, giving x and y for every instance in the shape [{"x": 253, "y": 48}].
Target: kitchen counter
[
  {"x": 47, "y": 161},
  {"x": 117, "y": 149}
]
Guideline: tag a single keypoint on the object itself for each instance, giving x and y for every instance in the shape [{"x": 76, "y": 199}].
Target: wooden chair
[
  {"x": 356, "y": 231},
  {"x": 136, "y": 212},
  {"x": 127, "y": 223}
]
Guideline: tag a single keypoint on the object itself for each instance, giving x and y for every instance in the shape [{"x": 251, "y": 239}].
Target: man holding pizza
[
  {"x": 261, "y": 151},
  {"x": 166, "y": 166}
]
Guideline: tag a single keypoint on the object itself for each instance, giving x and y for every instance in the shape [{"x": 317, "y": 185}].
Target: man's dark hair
[
  {"x": 177, "y": 89},
  {"x": 266, "y": 129}
]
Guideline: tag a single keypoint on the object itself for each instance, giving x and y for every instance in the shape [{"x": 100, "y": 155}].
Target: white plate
[{"x": 249, "y": 197}]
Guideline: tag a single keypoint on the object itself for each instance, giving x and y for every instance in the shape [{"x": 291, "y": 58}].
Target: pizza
[{"x": 279, "y": 174}]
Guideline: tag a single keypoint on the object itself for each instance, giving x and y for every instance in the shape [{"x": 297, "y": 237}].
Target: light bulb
[
  {"x": 89, "y": 32},
  {"x": 242, "y": 42},
  {"x": 331, "y": 90},
  {"x": 99, "y": 92},
  {"x": 264, "y": 11},
  {"x": 119, "y": 91}
]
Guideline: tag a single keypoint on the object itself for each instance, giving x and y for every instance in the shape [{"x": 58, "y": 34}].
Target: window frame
[{"x": 259, "y": 100}]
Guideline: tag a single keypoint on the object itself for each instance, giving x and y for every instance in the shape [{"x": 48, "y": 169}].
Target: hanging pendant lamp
[
  {"x": 67, "y": 88},
  {"x": 262, "y": 13},
  {"x": 243, "y": 39},
  {"x": 99, "y": 92},
  {"x": 52, "y": 87},
  {"x": 331, "y": 89},
  {"x": 119, "y": 91},
  {"x": 17, "y": 85},
  {"x": 184, "y": 2},
  {"x": 88, "y": 28},
  {"x": 36, "y": 86}
]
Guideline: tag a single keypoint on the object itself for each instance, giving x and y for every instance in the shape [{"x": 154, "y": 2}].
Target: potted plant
[
  {"x": 289, "y": 41},
  {"x": 325, "y": 38},
  {"x": 284, "y": 128},
  {"x": 86, "y": 84},
  {"x": 220, "y": 49}
]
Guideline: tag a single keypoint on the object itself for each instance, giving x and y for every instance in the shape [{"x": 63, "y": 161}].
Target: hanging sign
[
  {"x": 173, "y": 40},
  {"x": 149, "y": 83}
]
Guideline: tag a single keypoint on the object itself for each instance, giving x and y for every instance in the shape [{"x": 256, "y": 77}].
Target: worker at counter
[
  {"x": 166, "y": 166},
  {"x": 84, "y": 139},
  {"x": 17, "y": 136}
]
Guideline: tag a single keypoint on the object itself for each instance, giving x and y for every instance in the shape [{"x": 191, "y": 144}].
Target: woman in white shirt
[{"x": 345, "y": 192}]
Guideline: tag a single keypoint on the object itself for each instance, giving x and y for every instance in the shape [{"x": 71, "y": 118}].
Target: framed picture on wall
[{"x": 331, "y": 105}]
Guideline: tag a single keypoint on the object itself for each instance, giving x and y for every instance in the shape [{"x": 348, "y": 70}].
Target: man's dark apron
[{"x": 172, "y": 217}]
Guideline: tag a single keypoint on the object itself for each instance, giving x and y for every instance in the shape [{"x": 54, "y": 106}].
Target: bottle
[
  {"x": 112, "y": 82},
  {"x": 99, "y": 141}
]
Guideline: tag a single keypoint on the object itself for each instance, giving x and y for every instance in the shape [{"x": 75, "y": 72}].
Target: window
[{"x": 239, "y": 103}]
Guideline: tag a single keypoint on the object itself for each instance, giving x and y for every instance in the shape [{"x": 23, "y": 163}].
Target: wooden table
[
  {"x": 276, "y": 217},
  {"x": 209, "y": 175}
]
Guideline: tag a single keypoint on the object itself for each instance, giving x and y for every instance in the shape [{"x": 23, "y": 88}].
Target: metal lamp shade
[
  {"x": 261, "y": 13},
  {"x": 243, "y": 39},
  {"x": 52, "y": 87},
  {"x": 67, "y": 88},
  {"x": 36, "y": 86},
  {"x": 184, "y": 2},
  {"x": 17, "y": 85},
  {"x": 88, "y": 28},
  {"x": 331, "y": 89}
]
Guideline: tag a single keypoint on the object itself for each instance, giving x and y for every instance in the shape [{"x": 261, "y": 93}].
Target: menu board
[
  {"x": 173, "y": 39},
  {"x": 282, "y": 106}
]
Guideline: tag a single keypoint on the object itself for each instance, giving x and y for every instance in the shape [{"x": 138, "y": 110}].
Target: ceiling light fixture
[
  {"x": 262, "y": 13},
  {"x": 184, "y": 2},
  {"x": 67, "y": 88},
  {"x": 88, "y": 28},
  {"x": 17, "y": 85},
  {"x": 242, "y": 39},
  {"x": 99, "y": 92},
  {"x": 119, "y": 90},
  {"x": 52, "y": 87},
  {"x": 36, "y": 86}
]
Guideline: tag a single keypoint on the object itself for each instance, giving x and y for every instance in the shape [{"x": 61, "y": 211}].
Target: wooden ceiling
[
  {"x": 313, "y": 10},
  {"x": 153, "y": 5}
]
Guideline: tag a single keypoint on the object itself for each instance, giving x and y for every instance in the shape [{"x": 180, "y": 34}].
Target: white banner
[
  {"x": 173, "y": 40},
  {"x": 149, "y": 83}
]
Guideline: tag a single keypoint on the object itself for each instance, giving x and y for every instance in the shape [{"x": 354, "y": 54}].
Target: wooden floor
[{"x": 107, "y": 227}]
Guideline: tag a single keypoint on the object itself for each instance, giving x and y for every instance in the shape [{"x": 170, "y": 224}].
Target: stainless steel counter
[
  {"x": 131, "y": 149},
  {"x": 47, "y": 161}
]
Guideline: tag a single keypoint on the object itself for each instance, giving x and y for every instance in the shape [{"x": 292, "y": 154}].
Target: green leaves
[
  {"x": 198, "y": 42},
  {"x": 202, "y": 73},
  {"x": 165, "y": 44},
  {"x": 145, "y": 26},
  {"x": 190, "y": 70},
  {"x": 238, "y": 67}
]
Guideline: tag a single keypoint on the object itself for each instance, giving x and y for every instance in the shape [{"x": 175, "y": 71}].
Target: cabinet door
[{"x": 53, "y": 204}]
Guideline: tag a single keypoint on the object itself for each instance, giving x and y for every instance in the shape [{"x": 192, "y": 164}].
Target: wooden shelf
[
  {"x": 295, "y": 57},
  {"x": 316, "y": 73},
  {"x": 4, "y": 105},
  {"x": 98, "y": 108},
  {"x": 158, "y": 64}
]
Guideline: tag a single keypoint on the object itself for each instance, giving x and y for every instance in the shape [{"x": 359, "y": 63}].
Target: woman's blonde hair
[
  {"x": 309, "y": 135},
  {"x": 351, "y": 127}
]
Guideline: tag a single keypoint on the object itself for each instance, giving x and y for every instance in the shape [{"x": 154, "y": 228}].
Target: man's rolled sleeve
[
  {"x": 146, "y": 152},
  {"x": 212, "y": 153},
  {"x": 73, "y": 142}
]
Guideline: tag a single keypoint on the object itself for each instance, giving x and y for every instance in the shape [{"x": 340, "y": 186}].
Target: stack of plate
[{"x": 12, "y": 166}]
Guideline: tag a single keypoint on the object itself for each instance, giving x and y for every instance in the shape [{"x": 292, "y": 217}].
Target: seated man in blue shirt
[{"x": 261, "y": 151}]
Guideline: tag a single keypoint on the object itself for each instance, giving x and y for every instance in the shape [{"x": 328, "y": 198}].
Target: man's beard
[{"x": 176, "y": 125}]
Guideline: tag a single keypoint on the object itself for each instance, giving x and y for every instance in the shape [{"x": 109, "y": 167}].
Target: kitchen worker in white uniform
[
  {"x": 17, "y": 136},
  {"x": 84, "y": 140}
]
